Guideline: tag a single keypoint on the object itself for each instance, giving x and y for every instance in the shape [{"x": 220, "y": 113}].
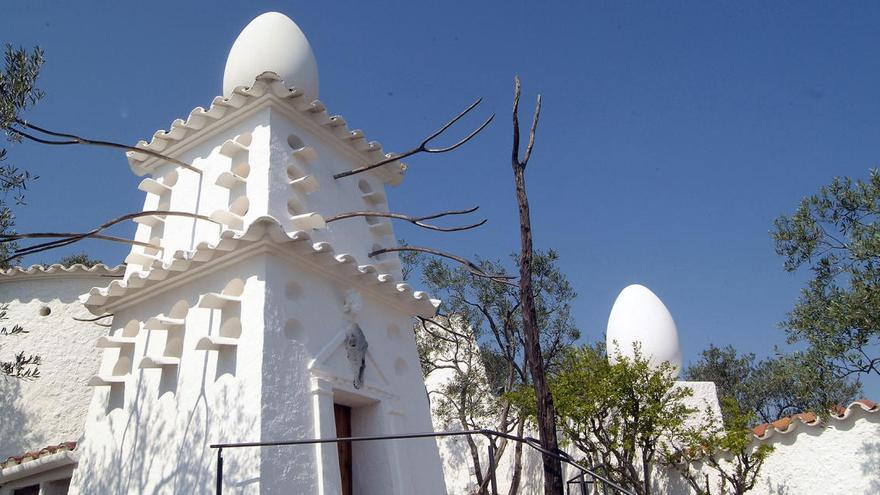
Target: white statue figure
[{"x": 355, "y": 340}]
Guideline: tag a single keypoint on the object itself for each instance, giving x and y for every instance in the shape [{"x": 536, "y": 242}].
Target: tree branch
[
  {"x": 76, "y": 237},
  {"x": 472, "y": 267},
  {"x": 74, "y": 139},
  {"x": 419, "y": 221},
  {"x": 423, "y": 146}
]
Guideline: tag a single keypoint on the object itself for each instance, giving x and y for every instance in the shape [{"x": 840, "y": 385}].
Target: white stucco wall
[
  {"x": 50, "y": 409},
  {"x": 150, "y": 432},
  {"x": 841, "y": 458}
]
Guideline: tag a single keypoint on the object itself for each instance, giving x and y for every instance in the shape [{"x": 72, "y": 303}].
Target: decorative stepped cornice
[
  {"x": 267, "y": 85},
  {"x": 298, "y": 242}
]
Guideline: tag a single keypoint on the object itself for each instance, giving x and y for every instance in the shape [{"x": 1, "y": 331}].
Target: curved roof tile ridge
[
  {"x": 345, "y": 264},
  {"x": 200, "y": 120},
  {"x": 36, "y": 454},
  {"x": 789, "y": 424},
  {"x": 59, "y": 269}
]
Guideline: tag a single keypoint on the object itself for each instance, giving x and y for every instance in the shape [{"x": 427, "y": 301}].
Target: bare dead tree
[
  {"x": 419, "y": 221},
  {"x": 553, "y": 482},
  {"x": 423, "y": 146}
]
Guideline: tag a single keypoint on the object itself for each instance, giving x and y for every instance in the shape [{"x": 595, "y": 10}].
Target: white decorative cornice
[
  {"x": 233, "y": 243},
  {"x": 267, "y": 86}
]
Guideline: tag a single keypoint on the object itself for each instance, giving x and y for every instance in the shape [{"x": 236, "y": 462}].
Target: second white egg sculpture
[{"x": 639, "y": 316}]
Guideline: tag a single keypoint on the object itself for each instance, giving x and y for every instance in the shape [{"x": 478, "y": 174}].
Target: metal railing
[{"x": 491, "y": 435}]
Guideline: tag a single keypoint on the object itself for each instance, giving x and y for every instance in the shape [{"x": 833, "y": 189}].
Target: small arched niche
[
  {"x": 295, "y": 142},
  {"x": 240, "y": 206},
  {"x": 245, "y": 139},
  {"x": 122, "y": 366},
  {"x": 293, "y": 330},
  {"x": 295, "y": 207},
  {"x": 235, "y": 287},
  {"x": 174, "y": 345},
  {"x": 170, "y": 179},
  {"x": 179, "y": 310},
  {"x": 241, "y": 169},
  {"x": 231, "y": 328},
  {"x": 155, "y": 242},
  {"x": 131, "y": 329}
]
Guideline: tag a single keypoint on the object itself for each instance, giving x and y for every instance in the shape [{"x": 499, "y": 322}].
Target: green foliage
[
  {"x": 774, "y": 387},
  {"x": 477, "y": 343},
  {"x": 617, "y": 414},
  {"x": 18, "y": 91},
  {"x": 728, "y": 449},
  {"x": 490, "y": 311},
  {"x": 836, "y": 234},
  {"x": 79, "y": 259}
]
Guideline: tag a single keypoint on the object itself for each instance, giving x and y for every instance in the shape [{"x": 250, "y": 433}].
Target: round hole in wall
[
  {"x": 400, "y": 366},
  {"x": 293, "y": 290},
  {"x": 295, "y": 142},
  {"x": 393, "y": 332},
  {"x": 293, "y": 330},
  {"x": 45, "y": 311},
  {"x": 364, "y": 186}
]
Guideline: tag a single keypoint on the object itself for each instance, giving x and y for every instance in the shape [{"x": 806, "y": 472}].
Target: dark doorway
[{"x": 343, "y": 429}]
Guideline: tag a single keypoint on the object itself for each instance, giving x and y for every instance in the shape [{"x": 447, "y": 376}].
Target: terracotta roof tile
[
  {"x": 788, "y": 424},
  {"x": 36, "y": 454}
]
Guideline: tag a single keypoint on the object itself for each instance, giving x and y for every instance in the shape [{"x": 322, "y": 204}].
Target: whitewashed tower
[{"x": 252, "y": 321}]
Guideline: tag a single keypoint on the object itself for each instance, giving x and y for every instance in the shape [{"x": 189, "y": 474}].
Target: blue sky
[{"x": 672, "y": 134}]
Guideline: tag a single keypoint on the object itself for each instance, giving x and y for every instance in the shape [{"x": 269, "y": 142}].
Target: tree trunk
[
  {"x": 553, "y": 482},
  {"x": 517, "y": 460}
]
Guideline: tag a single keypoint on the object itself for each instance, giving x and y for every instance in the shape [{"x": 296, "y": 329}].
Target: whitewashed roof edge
[{"x": 200, "y": 121}]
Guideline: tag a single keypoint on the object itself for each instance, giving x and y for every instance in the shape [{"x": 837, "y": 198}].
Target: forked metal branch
[
  {"x": 72, "y": 237},
  {"x": 472, "y": 267},
  {"x": 419, "y": 221},
  {"x": 74, "y": 139},
  {"x": 423, "y": 146}
]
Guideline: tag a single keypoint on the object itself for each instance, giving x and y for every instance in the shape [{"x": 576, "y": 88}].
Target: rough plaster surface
[
  {"x": 842, "y": 458},
  {"x": 50, "y": 409}
]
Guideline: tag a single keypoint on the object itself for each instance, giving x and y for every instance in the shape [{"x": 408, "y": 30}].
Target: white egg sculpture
[
  {"x": 272, "y": 42},
  {"x": 639, "y": 316}
]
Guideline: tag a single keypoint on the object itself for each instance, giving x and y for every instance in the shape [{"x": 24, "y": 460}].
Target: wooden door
[{"x": 343, "y": 429}]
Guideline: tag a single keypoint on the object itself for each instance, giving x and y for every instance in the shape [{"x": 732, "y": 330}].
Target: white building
[
  {"x": 256, "y": 320},
  {"x": 253, "y": 319}
]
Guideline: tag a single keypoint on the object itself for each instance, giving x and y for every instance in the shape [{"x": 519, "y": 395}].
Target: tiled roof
[
  {"x": 789, "y": 424},
  {"x": 267, "y": 84},
  {"x": 297, "y": 242},
  {"x": 36, "y": 454},
  {"x": 58, "y": 269}
]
